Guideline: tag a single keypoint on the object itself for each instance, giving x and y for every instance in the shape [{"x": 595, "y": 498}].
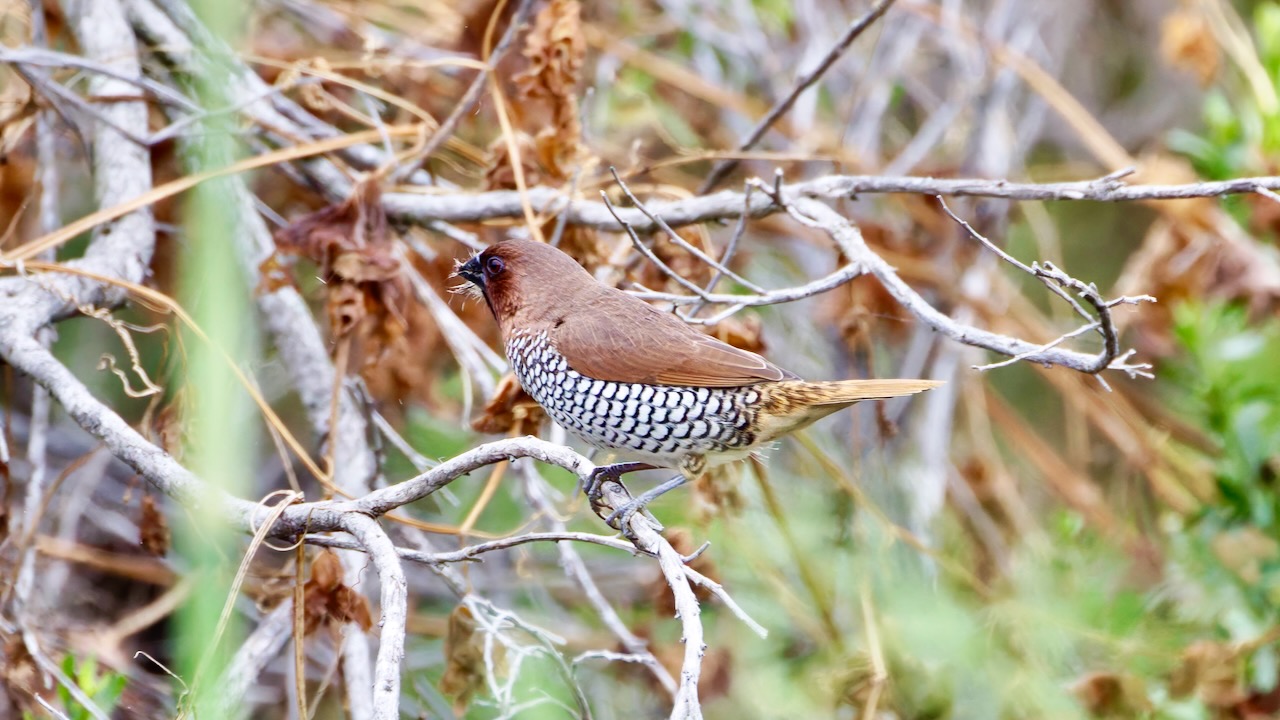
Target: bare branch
[
  {"x": 472, "y": 552},
  {"x": 727, "y": 204},
  {"x": 394, "y": 602},
  {"x": 1059, "y": 282},
  {"x": 648, "y": 540}
]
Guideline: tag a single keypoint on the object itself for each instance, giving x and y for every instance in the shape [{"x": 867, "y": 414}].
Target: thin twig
[
  {"x": 469, "y": 98},
  {"x": 471, "y": 552},
  {"x": 680, "y": 241},
  {"x": 535, "y": 488},
  {"x": 1059, "y": 282},
  {"x": 856, "y": 28},
  {"x": 718, "y": 590}
]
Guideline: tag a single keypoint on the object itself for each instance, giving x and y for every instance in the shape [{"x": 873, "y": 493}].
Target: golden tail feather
[
  {"x": 792, "y": 404},
  {"x": 847, "y": 392}
]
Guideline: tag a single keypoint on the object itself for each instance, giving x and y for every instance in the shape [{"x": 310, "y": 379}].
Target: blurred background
[{"x": 1025, "y": 542}]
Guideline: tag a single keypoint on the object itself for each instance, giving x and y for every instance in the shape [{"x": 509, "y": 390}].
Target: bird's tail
[
  {"x": 847, "y": 392},
  {"x": 793, "y": 404}
]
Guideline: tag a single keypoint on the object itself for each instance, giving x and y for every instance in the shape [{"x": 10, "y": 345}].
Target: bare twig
[
  {"x": 255, "y": 652},
  {"x": 851, "y": 243},
  {"x": 575, "y": 568},
  {"x": 675, "y": 237},
  {"x": 1059, "y": 282},
  {"x": 648, "y": 540},
  {"x": 856, "y": 28},
  {"x": 718, "y": 590},
  {"x": 726, "y": 204},
  {"x": 469, "y": 98},
  {"x": 472, "y": 552},
  {"x": 393, "y": 593}
]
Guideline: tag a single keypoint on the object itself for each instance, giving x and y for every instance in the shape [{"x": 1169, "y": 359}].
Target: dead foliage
[
  {"x": 329, "y": 603},
  {"x": 510, "y": 411},
  {"x": 359, "y": 263},
  {"x": 465, "y": 670}
]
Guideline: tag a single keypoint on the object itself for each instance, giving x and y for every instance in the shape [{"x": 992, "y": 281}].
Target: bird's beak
[{"x": 470, "y": 271}]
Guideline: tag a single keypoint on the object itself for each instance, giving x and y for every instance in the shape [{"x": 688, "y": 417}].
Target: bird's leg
[
  {"x": 603, "y": 473},
  {"x": 690, "y": 468}
]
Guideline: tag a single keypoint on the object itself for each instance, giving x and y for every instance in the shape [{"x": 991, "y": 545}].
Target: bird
[{"x": 627, "y": 377}]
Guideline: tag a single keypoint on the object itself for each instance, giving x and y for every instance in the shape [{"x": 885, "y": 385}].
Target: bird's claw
[
  {"x": 593, "y": 486},
  {"x": 620, "y": 518}
]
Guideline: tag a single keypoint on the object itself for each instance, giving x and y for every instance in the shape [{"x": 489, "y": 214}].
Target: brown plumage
[{"x": 625, "y": 376}]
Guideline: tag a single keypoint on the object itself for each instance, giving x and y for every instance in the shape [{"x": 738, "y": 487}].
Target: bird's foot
[
  {"x": 620, "y": 519},
  {"x": 605, "y": 473}
]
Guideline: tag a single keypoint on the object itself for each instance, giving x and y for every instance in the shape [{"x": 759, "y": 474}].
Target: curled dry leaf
[
  {"x": 464, "y": 671},
  {"x": 1178, "y": 263},
  {"x": 741, "y": 331},
  {"x": 1186, "y": 43},
  {"x": 327, "y": 601},
  {"x": 359, "y": 262},
  {"x": 510, "y": 411},
  {"x": 499, "y": 174},
  {"x": 1210, "y": 670},
  {"x": 555, "y": 49},
  {"x": 581, "y": 244},
  {"x": 1246, "y": 551},
  {"x": 153, "y": 528},
  {"x": 1112, "y": 695},
  {"x": 719, "y": 493}
]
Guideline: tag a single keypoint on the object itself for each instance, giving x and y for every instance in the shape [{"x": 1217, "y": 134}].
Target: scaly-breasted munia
[{"x": 627, "y": 377}]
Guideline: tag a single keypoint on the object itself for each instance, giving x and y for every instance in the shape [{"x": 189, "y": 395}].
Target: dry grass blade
[{"x": 56, "y": 239}]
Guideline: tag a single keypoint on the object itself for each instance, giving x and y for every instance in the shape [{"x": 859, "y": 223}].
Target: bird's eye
[{"x": 494, "y": 266}]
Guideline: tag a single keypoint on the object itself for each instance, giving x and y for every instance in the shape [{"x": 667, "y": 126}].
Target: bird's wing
[{"x": 622, "y": 339}]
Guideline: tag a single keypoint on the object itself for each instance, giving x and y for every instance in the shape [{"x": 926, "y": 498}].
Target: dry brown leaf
[
  {"x": 499, "y": 174},
  {"x": 1186, "y": 43},
  {"x": 1244, "y": 551},
  {"x": 328, "y": 602},
  {"x": 1210, "y": 670},
  {"x": 19, "y": 675},
  {"x": 366, "y": 291},
  {"x": 719, "y": 494},
  {"x": 464, "y": 671},
  {"x": 510, "y": 411},
  {"x": 555, "y": 49},
  {"x": 1106, "y": 694},
  {"x": 1260, "y": 705},
  {"x": 153, "y": 528},
  {"x": 580, "y": 243},
  {"x": 741, "y": 331},
  {"x": 1177, "y": 263}
]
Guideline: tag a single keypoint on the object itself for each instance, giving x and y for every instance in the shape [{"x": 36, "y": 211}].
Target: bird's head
[{"x": 524, "y": 282}]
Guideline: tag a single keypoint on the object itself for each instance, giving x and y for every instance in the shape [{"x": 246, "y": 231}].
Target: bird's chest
[{"x": 653, "y": 422}]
